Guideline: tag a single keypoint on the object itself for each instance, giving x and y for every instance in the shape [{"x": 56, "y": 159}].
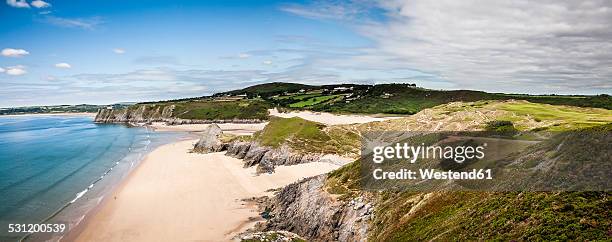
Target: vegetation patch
[
  {"x": 307, "y": 136},
  {"x": 281, "y": 130},
  {"x": 562, "y": 117}
]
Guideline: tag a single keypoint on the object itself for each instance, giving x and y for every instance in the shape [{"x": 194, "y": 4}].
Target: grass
[
  {"x": 312, "y": 101},
  {"x": 269, "y": 89},
  {"x": 460, "y": 216},
  {"x": 564, "y": 117},
  {"x": 307, "y": 136},
  {"x": 281, "y": 130}
]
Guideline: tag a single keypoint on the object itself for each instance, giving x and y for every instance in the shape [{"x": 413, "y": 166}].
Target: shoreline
[
  {"x": 188, "y": 196},
  {"x": 87, "y": 201}
]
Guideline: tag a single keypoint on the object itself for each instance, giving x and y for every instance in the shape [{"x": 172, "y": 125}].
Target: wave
[{"x": 79, "y": 195}]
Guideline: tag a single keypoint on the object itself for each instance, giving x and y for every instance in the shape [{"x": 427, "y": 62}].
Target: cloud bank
[{"x": 543, "y": 46}]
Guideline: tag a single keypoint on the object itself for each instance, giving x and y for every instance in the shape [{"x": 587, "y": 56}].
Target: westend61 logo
[
  {"x": 486, "y": 161},
  {"x": 410, "y": 154}
]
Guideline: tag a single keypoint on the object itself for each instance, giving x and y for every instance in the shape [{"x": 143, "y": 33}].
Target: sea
[{"x": 54, "y": 169}]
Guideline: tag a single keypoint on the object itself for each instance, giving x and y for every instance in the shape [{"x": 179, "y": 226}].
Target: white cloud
[
  {"x": 63, "y": 65},
  {"x": 119, "y": 51},
  {"x": 18, "y": 3},
  {"x": 546, "y": 46},
  {"x": 8, "y": 52},
  {"x": 1, "y": 70},
  {"x": 40, "y": 4},
  {"x": 243, "y": 55},
  {"x": 267, "y": 62},
  {"x": 81, "y": 23},
  {"x": 16, "y": 70}
]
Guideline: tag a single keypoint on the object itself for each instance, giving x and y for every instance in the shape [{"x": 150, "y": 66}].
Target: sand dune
[
  {"x": 179, "y": 196},
  {"x": 329, "y": 118}
]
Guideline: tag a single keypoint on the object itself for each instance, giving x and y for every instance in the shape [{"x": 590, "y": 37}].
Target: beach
[{"x": 174, "y": 195}]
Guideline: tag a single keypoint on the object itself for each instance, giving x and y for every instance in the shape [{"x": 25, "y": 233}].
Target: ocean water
[{"x": 53, "y": 169}]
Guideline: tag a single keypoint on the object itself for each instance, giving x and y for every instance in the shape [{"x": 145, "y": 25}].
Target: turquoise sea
[{"x": 53, "y": 169}]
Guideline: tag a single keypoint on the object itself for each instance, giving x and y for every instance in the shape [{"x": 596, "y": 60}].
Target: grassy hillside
[
  {"x": 268, "y": 89},
  {"x": 460, "y": 216},
  {"x": 391, "y": 98},
  {"x": 307, "y": 136}
]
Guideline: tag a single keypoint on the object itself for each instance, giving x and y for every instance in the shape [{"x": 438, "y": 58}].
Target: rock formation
[
  {"x": 266, "y": 158},
  {"x": 306, "y": 209},
  {"x": 209, "y": 141}
]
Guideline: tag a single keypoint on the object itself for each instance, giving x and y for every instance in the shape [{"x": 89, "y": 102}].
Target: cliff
[
  {"x": 156, "y": 113},
  {"x": 135, "y": 114},
  {"x": 306, "y": 209}
]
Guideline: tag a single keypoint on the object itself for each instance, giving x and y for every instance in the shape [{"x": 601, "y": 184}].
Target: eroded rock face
[
  {"x": 209, "y": 141},
  {"x": 306, "y": 209},
  {"x": 139, "y": 114},
  {"x": 266, "y": 158}
]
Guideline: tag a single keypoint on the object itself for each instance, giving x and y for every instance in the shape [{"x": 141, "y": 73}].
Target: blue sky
[{"x": 68, "y": 52}]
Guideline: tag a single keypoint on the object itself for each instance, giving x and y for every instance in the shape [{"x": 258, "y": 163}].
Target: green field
[
  {"x": 564, "y": 117},
  {"x": 313, "y": 101}
]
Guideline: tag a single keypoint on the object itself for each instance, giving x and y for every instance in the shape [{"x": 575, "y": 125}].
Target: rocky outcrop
[
  {"x": 306, "y": 209},
  {"x": 266, "y": 158},
  {"x": 271, "y": 236},
  {"x": 209, "y": 141},
  {"x": 155, "y": 113}
]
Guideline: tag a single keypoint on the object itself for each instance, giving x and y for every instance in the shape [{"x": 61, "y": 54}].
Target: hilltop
[{"x": 252, "y": 103}]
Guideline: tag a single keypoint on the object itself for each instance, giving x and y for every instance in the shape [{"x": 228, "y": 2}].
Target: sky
[{"x": 107, "y": 51}]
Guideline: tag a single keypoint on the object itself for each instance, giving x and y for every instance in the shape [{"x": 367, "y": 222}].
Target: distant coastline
[{"x": 50, "y": 114}]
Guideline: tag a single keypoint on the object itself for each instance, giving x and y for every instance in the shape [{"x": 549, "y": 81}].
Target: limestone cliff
[
  {"x": 144, "y": 113},
  {"x": 135, "y": 114}
]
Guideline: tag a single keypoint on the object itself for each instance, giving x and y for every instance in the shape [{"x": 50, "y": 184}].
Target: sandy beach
[{"x": 179, "y": 196}]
